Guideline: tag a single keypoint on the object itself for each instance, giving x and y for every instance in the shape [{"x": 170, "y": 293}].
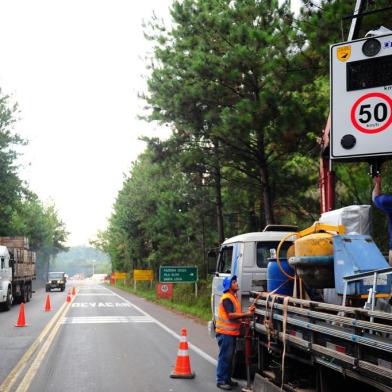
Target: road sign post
[{"x": 179, "y": 274}]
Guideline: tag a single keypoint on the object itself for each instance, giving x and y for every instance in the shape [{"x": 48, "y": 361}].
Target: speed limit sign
[
  {"x": 164, "y": 290},
  {"x": 372, "y": 113},
  {"x": 361, "y": 98}
]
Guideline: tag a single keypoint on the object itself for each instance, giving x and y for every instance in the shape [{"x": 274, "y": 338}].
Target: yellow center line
[
  {"x": 33, "y": 369},
  {"x": 16, "y": 371}
]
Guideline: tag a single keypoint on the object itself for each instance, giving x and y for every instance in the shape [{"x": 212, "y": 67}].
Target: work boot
[{"x": 226, "y": 387}]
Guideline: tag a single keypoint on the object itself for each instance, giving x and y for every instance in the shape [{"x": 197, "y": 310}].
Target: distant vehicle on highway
[{"x": 56, "y": 280}]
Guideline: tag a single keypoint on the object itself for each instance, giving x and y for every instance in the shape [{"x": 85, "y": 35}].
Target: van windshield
[{"x": 263, "y": 251}]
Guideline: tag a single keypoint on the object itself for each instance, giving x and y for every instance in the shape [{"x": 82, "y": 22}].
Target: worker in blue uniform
[
  {"x": 384, "y": 203},
  {"x": 227, "y": 329}
]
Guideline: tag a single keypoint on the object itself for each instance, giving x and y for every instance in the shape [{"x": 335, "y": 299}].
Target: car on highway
[{"x": 56, "y": 280}]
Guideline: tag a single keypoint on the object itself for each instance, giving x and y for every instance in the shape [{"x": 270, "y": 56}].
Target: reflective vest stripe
[
  {"x": 228, "y": 328},
  {"x": 226, "y": 321}
]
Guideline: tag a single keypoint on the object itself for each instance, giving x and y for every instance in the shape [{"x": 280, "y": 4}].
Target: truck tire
[
  {"x": 28, "y": 290},
  {"x": 25, "y": 294},
  {"x": 62, "y": 288},
  {"x": 8, "y": 302}
]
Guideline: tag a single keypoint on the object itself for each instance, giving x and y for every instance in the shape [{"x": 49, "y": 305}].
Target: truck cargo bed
[{"x": 352, "y": 341}]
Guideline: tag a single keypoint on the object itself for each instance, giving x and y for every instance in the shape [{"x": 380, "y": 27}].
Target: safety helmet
[{"x": 227, "y": 282}]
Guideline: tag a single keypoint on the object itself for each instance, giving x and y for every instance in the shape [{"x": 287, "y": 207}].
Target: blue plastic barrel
[{"x": 276, "y": 280}]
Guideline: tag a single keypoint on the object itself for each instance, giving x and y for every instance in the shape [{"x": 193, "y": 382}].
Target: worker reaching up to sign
[
  {"x": 227, "y": 329},
  {"x": 384, "y": 203}
]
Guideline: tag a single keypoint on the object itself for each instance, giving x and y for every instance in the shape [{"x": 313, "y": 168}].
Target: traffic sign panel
[
  {"x": 120, "y": 275},
  {"x": 143, "y": 274},
  {"x": 361, "y": 98},
  {"x": 164, "y": 290},
  {"x": 174, "y": 274}
]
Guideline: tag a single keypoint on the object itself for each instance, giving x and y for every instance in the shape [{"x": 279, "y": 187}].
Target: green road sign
[{"x": 177, "y": 274}]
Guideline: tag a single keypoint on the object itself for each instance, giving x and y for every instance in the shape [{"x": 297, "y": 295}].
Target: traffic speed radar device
[{"x": 361, "y": 98}]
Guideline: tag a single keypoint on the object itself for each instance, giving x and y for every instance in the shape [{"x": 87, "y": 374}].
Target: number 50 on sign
[{"x": 372, "y": 113}]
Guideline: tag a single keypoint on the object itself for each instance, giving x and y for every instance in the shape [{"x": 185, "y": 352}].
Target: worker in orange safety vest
[{"x": 227, "y": 329}]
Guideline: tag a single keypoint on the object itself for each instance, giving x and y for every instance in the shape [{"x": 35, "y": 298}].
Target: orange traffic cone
[
  {"x": 183, "y": 364},
  {"x": 73, "y": 291},
  {"x": 21, "y": 318},
  {"x": 48, "y": 306},
  {"x": 69, "y": 296}
]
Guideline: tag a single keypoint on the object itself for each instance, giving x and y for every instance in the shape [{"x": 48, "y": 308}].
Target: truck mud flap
[{"x": 261, "y": 384}]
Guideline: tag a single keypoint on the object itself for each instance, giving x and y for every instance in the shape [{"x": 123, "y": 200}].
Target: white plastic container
[{"x": 356, "y": 219}]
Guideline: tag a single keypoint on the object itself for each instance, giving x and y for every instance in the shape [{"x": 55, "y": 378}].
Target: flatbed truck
[{"x": 17, "y": 271}]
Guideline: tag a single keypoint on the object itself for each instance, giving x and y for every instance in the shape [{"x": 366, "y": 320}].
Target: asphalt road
[
  {"x": 109, "y": 340},
  {"x": 15, "y": 341}
]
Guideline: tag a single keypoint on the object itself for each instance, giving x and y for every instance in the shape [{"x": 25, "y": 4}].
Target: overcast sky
[{"x": 75, "y": 67}]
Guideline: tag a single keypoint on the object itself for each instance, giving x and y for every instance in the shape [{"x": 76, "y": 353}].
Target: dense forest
[
  {"x": 22, "y": 213},
  {"x": 244, "y": 87}
]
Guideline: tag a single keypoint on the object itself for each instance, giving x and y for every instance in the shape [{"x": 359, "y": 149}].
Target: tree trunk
[
  {"x": 266, "y": 197},
  {"x": 218, "y": 195}
]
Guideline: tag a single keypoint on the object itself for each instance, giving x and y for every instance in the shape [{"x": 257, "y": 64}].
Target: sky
[{"x": 75, "y": 68}]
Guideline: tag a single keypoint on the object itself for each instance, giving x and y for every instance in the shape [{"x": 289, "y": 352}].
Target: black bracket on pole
[{"x": 375, "y": 167}]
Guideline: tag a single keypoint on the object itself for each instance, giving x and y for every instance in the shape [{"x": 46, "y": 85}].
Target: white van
[{"x": 246, "y": 256}]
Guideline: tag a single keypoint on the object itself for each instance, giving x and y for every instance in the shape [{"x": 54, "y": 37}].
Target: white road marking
[
  {"x": 107, "y": 320},
  {"x": 167, "y": 329},
  {"x": 100, "y": 305},
  {"x": 90, "y": 294}
]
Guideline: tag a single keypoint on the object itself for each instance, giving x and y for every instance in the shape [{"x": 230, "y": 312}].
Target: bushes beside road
[{"x": 184, "y": 299}]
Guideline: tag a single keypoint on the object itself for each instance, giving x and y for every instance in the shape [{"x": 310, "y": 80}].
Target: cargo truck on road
[
  {"x": 323, "y": 318},
  {"x": 17, "y": 271}
]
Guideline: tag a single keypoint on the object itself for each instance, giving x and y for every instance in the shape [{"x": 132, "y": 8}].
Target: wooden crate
[
  {"x": 24, "y": 269},
  {"x": 15, "y": 242},
  {"x": 24, "y": 262}
]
